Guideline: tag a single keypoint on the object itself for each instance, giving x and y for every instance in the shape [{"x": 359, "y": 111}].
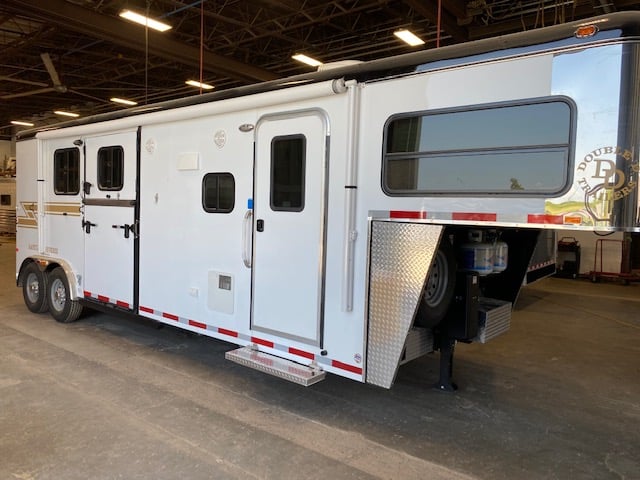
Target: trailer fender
[{"x": 46, "y": 265}]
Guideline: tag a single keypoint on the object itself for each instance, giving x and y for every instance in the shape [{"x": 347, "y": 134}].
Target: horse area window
[
  {"x": 66, "y": 171},
  {"x": 110, "y": 168}
]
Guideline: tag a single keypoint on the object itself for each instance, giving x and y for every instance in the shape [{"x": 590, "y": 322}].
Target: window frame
[
  {"x": 66, "y": 151},
  {"x": 218, "y": 175},
  {"x": 110, "y": 148},
  {"x": 569, "y": 147},
  {"x": 303, "y": 190}
]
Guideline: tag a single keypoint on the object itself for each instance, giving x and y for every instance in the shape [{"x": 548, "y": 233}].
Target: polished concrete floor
[{"x": 558, "y": 397}]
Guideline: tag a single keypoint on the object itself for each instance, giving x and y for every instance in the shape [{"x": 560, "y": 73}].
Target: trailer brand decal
[
  {"x": 608, "y": 175},
  {"x": 30, "y": 218}
]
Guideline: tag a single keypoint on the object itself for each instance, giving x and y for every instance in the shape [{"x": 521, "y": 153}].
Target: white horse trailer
[{"x": 344, "y": 221}]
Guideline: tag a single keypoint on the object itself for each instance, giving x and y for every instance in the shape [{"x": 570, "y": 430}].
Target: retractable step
[{"x": 276, "y": 366}]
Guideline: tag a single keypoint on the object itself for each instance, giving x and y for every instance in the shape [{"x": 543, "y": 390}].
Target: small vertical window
[
  {"x": 110, "y": 168},
  {"x": 218, "y": 192},
  {"x": 288, "y": 173},
  {"x": 66, "y": 171}
]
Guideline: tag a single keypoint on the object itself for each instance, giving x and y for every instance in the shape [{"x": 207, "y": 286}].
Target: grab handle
[{"x": 247, "y": 226}]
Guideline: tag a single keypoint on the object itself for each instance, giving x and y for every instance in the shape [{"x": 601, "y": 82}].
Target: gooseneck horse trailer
[{"x": 343, "y": 221}]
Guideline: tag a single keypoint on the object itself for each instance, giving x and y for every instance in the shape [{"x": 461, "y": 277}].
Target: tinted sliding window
[
  {"x": 497, "y": 149},
  {"x": 110, "y": 168},
  {"x": 218, "y": 192},
  {"x": 66, "y": 171},
  {"x": 288, "y": 155}
]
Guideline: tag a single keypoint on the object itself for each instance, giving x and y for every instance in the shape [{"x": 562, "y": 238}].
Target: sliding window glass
[
  {"x": 218, "y": 192},
  {"x": 66, "y": 171},
  {"x": 512, "y": 149}
]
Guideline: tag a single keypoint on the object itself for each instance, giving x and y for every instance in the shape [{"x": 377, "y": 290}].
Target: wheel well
[{"x": 48, "y": 266}]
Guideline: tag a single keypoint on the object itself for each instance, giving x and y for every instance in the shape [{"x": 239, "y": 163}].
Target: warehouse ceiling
[{"x": 74, "y": 55}]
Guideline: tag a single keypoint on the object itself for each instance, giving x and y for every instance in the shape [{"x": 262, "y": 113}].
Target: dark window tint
[
  {"x": 288, "y": 173},
  {"x": 66, "y": 171},
  {"x": 110, "y": 168},
  {"x": 218, "y": 192},
  {"x": 512, "y": 149}
]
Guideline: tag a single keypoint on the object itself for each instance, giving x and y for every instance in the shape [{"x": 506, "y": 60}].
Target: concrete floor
[{"x": 109, "y": 398}]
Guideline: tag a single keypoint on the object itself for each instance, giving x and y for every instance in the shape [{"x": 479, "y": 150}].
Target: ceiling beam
[
  {"x": 448, "y": 23},
  {"x": 85, "y": 21}
]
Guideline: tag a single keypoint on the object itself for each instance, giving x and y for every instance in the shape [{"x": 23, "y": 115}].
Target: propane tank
[
  {"x": 477, "y": 255},
  {"x": 500, "y": 255}
]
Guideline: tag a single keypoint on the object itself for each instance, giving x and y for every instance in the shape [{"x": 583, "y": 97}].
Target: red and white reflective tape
[
  {"x": 104, "y": 299},
  {"x": 487, "y": 217},
  {"x": 220, "y": 332}
]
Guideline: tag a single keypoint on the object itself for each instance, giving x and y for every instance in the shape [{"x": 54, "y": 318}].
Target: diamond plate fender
[{"x": 399, "y": 260}]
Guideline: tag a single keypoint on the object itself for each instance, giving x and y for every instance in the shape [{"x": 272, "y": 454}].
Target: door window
[
  {"x": 288, "y": 155},
  {"x": 66, "y": 171},
  {"x": 110, "y": 168}
]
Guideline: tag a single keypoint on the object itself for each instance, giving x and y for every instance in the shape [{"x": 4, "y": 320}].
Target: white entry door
[
  {"x": 289, "y": 225},
  {"x": 110, "y": 218}
]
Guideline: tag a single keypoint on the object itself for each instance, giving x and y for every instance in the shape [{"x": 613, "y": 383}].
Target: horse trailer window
[
  {"x": 498, "y": 149},
  {"x": 110, "y": 168},
  {"x": 66, "y": 171},
  {"x": 218, "y": 192},
  {"x": 288, "y": 156}
]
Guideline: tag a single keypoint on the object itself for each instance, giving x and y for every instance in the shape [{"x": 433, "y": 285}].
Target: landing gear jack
[{"x": 447, "y": 347}]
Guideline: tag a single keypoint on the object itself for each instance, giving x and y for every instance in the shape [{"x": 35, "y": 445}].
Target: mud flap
[{"x": 400, "y": 255}]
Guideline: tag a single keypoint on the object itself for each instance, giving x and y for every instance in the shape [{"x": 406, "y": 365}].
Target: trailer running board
[{"x": 276, "y": 366}]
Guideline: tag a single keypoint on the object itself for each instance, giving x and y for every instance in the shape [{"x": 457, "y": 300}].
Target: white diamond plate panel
[{"x": 399, "y": 262}]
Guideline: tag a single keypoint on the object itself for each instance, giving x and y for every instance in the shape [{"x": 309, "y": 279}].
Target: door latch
[
  {"x": 126, "y": 228},
  {"x": 86, "y": 224},
  {"x": 260, "y": 225}
]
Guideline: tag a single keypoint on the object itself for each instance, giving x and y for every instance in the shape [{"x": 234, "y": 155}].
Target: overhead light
[
  {"x": 22, "y": 124},
  {"x": 408, "y": 37},
  {"x": 204, "y": 86},
  {"x": 308, "y": 60},
  {"x": 123, "y": 101},
  {"x": 143, "y": 20},
  {"x": 66, "y": 114}
]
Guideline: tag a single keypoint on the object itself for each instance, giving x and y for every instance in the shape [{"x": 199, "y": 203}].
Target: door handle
[
  {"x": 86, "y": 224},
  {"x": 260, "y": 225},
  {"x": 126, "y": 228}
]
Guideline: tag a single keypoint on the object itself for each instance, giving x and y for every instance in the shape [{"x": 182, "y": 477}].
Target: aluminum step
[{"x": 276, "y": 366}]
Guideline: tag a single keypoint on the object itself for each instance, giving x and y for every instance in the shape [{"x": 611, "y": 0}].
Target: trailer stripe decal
[
  {"x": 302, "y": 353},
  {"x": 260, "y": 341},
  {"x": 170, "y": 316},
  {"x": 122, "y": 304},
  {"x": 231, "y": 333},
  {"x": 146, "y": 309},
  {"x": 102, "y": 298},
  {"x": 346, "y": 366},
  {"x": 407, "y": 214},
  {"x": 482, "y": 217},
  {"x": 193, "y": 323},
  {"x": 545, "y": 218}
]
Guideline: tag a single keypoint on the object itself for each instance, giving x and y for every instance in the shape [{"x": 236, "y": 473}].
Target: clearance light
[
  {"x": 408, "y": 37},
  {"x": 204, "y": 86},
  {"x": 123, "y": 101},
  {"x": 66, "y": 114},
  {"x": 585, "y": 31},
  {"x": 146, "y": 21},
  {"x": 308, "y": 60},
  {"x": 22, "y": 124}
]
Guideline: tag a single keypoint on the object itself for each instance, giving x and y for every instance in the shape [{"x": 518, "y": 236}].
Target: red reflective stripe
[
  {"x": 346, "y": 366},
  {"x": 193, "y": 323},
  {"x": 407, "y": 214},
  {"x": 87, "y": 294},
  {"x": 170, "y": 316},
  {"x": 302, "y": 353},
  {"x": 231, "y": 333},
  {"x": 545, "y": 218},
  {"x": 122, "y": 304},
  {"x": 102, "y": 298},
  {"x": 481, "y": 217},
  {"x": 146, "y": 309},
  {"x": 260, "y": 341}
]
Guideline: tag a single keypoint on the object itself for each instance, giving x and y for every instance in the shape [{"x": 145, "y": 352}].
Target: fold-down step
[{"x": 276, "y": 366}]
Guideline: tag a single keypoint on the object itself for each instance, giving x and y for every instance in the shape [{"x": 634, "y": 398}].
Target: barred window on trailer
[
  {"x": 512, "y": 149},
  {"x": 288, "y": 157},
  {"x": 66, "y": 171},
  {"x": 218, "y": 192},
  {"x": 111, "y": 168}
]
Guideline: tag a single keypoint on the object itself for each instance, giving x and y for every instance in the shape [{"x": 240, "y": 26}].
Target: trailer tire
[
  {"x": 439, "y": 287},
  {"x": 61, "y": 307},
  {"x": 34, "y": 288}
]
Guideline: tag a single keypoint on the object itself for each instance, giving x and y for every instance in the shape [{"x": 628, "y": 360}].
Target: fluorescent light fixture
[
  {"x": 308, "y": 60},
  {"x": 22, "y": 124},
  {"x": 66, "y": 114},
  {"x": 142, "y": 20},
  {"x": 123, "y": 101},
  {"x": 408, "y": 37},
  {"x": 204, "y": 86}
]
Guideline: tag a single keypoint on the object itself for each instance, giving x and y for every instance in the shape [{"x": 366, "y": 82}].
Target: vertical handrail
[{"x": 247, "y": 229}]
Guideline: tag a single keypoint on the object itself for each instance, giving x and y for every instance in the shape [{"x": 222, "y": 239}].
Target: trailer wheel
[
  {"x": 439, "y": 287},
  {"x": 34, "y": 288},
  {"x": 61, "y": 307}
]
